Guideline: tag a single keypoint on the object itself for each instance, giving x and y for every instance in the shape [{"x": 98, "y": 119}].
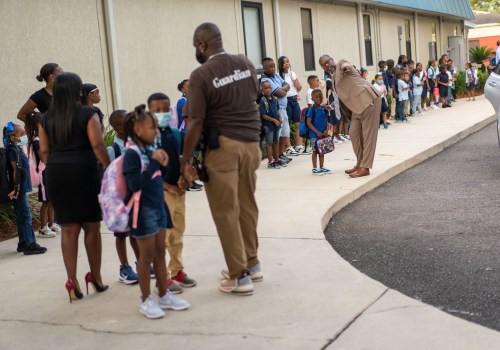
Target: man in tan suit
[{"x": 360, "y": 100}]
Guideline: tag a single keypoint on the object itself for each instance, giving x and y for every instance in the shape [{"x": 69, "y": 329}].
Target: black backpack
[{"x": 6, "y": 181}]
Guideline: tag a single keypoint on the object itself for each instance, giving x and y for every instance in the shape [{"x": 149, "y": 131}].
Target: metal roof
[{"x": 456, "y": 8}]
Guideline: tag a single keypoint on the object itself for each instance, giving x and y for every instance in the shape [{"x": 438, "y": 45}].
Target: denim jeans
[
  {"x": 410, "y": 97},
  {"x": 448, "y": 98},
  {"x": 400, "y": 110},
  {"x": 24, "y": 219}
]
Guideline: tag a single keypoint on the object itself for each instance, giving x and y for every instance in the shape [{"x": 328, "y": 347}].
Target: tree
[
  {"x": 480, "y": 54},
  {"x": 492, "y": 6}
]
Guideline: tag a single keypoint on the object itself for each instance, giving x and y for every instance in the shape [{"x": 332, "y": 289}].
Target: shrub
[
  {"x": 480, "y": 54},
  {"x": 109, "y": 136}
]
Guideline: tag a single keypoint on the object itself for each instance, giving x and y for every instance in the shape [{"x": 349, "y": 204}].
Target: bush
[
  {"x": 482, "y": 76},
  {"x": 109, "y": 136},
  {"x": 460, "y": 86}
]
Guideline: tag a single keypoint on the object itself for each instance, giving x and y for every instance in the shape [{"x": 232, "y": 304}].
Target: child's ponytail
[{"x": 138, "y": 115}]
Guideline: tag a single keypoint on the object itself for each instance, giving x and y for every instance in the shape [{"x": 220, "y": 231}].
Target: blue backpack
[{"x": 303, "y": 128}]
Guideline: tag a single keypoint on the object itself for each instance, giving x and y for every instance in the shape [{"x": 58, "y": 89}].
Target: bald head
[
  {"x": 207, "y": 41},
  {"x": 208, "y": 33}
]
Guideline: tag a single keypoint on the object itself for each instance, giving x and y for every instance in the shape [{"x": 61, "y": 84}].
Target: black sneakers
[{"x": 30, "y": 249}]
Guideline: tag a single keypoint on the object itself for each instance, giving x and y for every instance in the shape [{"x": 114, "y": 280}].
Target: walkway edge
[{"x": 385, "y": 176}]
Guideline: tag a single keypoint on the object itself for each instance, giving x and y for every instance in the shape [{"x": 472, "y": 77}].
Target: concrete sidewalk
[{"x": 310, "y": 297}]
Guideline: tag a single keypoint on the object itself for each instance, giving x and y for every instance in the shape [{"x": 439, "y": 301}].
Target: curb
[{"x": 399, "y": 168}]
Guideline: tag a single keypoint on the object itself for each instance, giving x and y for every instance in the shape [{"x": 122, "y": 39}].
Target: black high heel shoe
[
  {"x": 73, "y": 291},
  {"x": 90, "y": 278}
]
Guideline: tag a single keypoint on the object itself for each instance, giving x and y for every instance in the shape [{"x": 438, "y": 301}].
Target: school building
[
  {"x": 131, "y": 48},
  {"x": 486, "y": 30}
]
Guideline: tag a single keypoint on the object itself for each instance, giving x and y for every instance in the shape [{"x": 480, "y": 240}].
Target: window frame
[
  {"x": 370, "y": 40},
  {"x": 309, "y": 40},
  {"x": 258, "y": 6},
  {"x": 408, "y": 41}
]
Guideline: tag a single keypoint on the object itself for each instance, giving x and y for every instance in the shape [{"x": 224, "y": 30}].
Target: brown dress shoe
[
  {"x": 353, "y": 170},
  {"x": 360, "y": 172}
]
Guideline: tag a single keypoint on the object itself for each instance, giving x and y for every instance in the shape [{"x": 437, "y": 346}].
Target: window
[
  {"x": 433, "y": 32},
  {"x": 473, "y": 44},
  {"x": 307, "y": 39},
  {"x": 368, "y": 40},
  {"x": 253, "y": 32},
  {"x": 408, "y": 38}
]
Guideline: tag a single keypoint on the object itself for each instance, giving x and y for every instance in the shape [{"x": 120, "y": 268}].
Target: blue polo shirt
[{"x": 320, "y": 120}]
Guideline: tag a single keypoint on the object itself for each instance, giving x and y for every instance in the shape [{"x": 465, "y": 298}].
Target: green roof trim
[{"x": 456, "y": 8}]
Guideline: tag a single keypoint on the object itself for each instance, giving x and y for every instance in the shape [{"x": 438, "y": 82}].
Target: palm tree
[{"x": 480, "y": 54}]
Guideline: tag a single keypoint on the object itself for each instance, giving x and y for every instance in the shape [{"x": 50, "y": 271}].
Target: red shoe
[
  {"x": 184, "y": 280},
  {"x": 73, "y": 291},
  {"x": 90, "y": 278}
]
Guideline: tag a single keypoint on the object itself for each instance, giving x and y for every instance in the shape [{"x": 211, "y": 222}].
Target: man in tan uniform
[
  {"x": 221, "y": 107},
  {"x": 360, "y": 100}
]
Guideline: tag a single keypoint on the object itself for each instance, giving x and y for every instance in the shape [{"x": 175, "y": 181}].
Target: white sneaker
[
  {"x": 343, "y": 138},
  {"x": 150, "y": 309},
  {"x": 56, "y": 228},
  {"x": 239, "y": 286},
  {"x": 256, "y": 274},
  {"x": 46, "y": 232},
  {"x": 337, "y": 141},
  {"x": 290, "y": 151},
  {"x": 169, "y": 302}
]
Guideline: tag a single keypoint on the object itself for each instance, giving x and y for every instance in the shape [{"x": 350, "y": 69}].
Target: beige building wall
[
  {"x": 425, "y": 25},
  {"x": 155, "y": 45},
  {"x": 389, "y": 23},
  {"x": 70, "y": 33},
  {"x": 154, "y": 41}
]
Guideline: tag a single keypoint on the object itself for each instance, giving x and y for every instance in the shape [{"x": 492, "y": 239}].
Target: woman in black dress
[
  {"x": 71, "y": 142},
  {"x": 42, "y": 98}
]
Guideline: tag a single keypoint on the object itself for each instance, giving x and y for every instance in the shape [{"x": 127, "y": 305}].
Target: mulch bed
[{"x": 8, "y": 227}]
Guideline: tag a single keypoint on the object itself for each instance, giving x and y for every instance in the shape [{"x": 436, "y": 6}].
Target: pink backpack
[
  {"x": 112, "y": 197},
  {"x": 35, "y": 172}
]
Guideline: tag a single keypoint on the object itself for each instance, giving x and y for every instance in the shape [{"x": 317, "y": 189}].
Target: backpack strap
[{"x": 116, "y": 149}]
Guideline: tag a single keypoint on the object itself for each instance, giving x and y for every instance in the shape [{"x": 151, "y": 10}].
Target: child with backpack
[
  {"x": 117, "y": 148},
  {"x": 141, "y": 169},
  {"x": 175, "y": 196},
  {"x": 317, "y": 120},
  {"x": 470, "y": 81},
  {"x": 15, "y": 172},
  {"x": 271, "y": 122},
  {"x": 48, "y": 226}
]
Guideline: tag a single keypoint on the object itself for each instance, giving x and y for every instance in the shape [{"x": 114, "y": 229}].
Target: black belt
[{"x": 292, "y": 97}]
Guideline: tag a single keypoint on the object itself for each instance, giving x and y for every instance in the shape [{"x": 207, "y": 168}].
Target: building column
[
  {"x": 277, "y": 28},
  {"x": 361, "y": 38},
  {"x": 109, "y": 20},
  {"x": 415, "y": 26}
]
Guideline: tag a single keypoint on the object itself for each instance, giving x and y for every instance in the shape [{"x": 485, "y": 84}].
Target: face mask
[
  {"x": 23, "y": 140},
  {"x": 380, "y": 82},
  {"x": 200, "y": 58},
  {"x": 163, "y": 119}
]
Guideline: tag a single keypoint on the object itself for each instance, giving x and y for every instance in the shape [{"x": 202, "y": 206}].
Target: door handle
[{"x": 492, "y": 84}]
